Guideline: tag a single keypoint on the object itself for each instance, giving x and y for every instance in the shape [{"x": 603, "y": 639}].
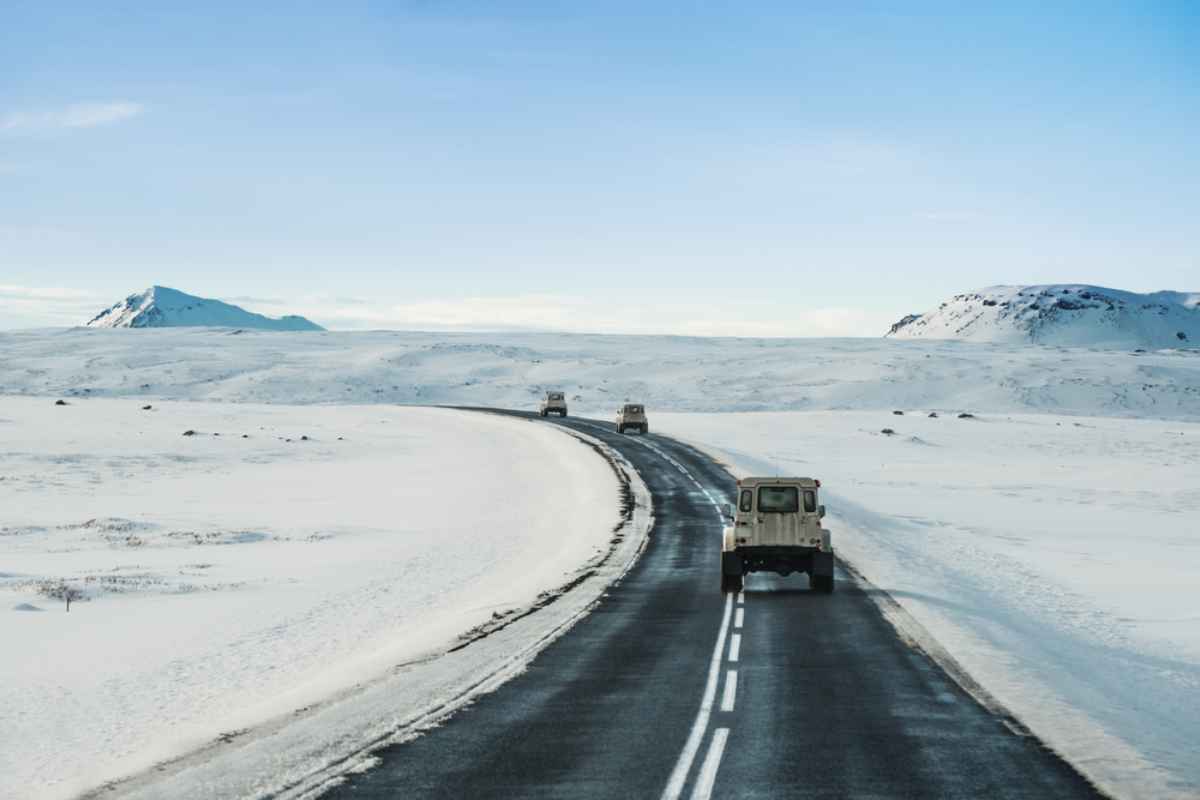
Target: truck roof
[{"x": 808, "y": 483}]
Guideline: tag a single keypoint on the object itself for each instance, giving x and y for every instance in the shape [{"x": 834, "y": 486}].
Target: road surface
[{"x": 670, "y": 689}]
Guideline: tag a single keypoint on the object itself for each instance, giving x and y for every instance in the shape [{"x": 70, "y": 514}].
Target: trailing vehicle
[
  {"x": 632, "y": 416},
  {"x": 776, "y": 527},
  {"x": 554, "y": 403}
]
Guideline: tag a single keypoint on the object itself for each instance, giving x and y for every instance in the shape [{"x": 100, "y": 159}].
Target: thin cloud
[
  {"x": 46, "y": 306},
  {"x": 26, "y": 306},
  {"x": 79, "y": 115},
  {"x": 567, "y": 314}
]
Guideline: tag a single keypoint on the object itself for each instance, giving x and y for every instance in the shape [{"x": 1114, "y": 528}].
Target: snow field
[
  {"x": 1054, "y": 557},
  {"x": 226, "y": 581},
  {"x": 599, "y": 373}
]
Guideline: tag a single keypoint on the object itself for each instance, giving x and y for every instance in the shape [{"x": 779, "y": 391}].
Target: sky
[{"x": 716, "y": 168}]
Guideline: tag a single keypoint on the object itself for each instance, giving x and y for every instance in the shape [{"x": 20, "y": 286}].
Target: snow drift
[
  {"x": 160, "y": 307},
  {"x": 1073, "y": 315}
]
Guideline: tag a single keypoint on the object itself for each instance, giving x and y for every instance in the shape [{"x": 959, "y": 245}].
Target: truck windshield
[
  {"x": 633, "y": 409},
  {"x": 778, "y": 499},
  {"x": 556, "y": 396}
]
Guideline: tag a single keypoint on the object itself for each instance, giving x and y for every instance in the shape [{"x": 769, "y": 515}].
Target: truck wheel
[
  {"x": 645, "y": 429},
  {"x": 620, "y": 429},
  {"x": 821, "y": 583},
  {"x": 562, "y": 414},
  {"x": 543, "y": 413}
]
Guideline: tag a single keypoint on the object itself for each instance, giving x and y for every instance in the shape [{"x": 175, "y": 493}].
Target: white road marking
[
  {"x": 735, "y": 647},
  {"x": 684, "y": 765},
  {"x": 739, "y": 618},
  {"x": 741, "y": 598},
  {"x": 729, "y": 697},
  {"x": 716, "y": 749},
  {"x": 712, "y": 762}
]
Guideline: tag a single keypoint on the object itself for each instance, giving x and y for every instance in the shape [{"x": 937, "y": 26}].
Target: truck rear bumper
[{"x": 784, "y": 560}]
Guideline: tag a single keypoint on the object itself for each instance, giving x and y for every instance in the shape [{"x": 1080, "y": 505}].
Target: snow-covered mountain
[
  {"x": 1075, "y": 315},
  {"x": 160, "y": 307}
]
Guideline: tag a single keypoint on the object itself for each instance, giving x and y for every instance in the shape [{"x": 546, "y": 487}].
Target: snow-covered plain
[
  {"x": 1047, "y": 542},
  {"x": 1054, "y": 557},
  {"x": 600, "y": 372},
  {"x": 225, "y": 581}
]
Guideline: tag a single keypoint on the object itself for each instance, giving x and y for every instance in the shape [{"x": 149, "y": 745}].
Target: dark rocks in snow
[
  {"x": 147, "y": 408},
  {"x": 304, "y": 438},
  {"x": 898, "y": 413},
  {"x": 888, "y": 432},
  {"x": 907, "y": 320},
  {"x": 189, "y": 432},
  {"x": 933, "y": 415},
  {"x": 966, "y": 415},
  {"x": 989, "y": 302},
  {"x": 216, "y": 434},
  {"x": 60, "y": 402},
  {"x": 245, "y": 436},
  {"x": 1181, "y": 336}
]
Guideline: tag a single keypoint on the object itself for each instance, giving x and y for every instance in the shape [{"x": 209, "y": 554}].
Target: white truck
[
  {"x": 554, "y": 403},
  {"x": 632, "y": 416},
  {"x": 776, "y": 527}
]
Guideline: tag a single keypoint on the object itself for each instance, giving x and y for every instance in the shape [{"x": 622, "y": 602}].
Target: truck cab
[
  {"x": 553, "y": 403},
  {"x": 775, "y": 526},
  {"x": 632, "y": 416}
]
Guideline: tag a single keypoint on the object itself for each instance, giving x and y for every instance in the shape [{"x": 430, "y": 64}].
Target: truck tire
[
  {"x": 821, "y": 583},
  {"x": 731, "y": 583},
  {"x": 620, "y": 429},
  {"x": 562, "y": 414},
  {"x": 543, "y": 414},
  {"x": 645, "y": 429}
]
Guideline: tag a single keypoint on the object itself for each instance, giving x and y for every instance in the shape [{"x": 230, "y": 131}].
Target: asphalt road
[{"x": 672, "y": 689}]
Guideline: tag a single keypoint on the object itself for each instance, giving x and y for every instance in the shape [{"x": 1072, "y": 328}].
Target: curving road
[{"x": 670, "y": 689}]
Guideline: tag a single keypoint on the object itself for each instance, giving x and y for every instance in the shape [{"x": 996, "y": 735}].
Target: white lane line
[
  {"x": 712, "y": 762},
  {"x": 684, "y": 765},
  {"x": 739, "y": 618},
  {"x": 735, "y": 647},
  {"x": 741, "y": 598},
  {"x": 669, "y": 459},
  {"x": 729, "y": 697}
]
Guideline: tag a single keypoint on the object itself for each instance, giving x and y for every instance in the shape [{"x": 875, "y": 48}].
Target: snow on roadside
[
  {"x": 224, "y": 581},
  {"x": 1054, "y": 557}
]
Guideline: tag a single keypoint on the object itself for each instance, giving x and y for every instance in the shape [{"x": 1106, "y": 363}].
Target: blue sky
[{"x": 723, "y": 168}]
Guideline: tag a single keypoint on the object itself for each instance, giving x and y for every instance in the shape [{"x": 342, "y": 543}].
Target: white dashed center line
[
  {"x": 684, "y": 764},
  {"x": 729, "y": 697},
  {"x": 735, "y": 647},
  {"x": 739, "y": 618}
]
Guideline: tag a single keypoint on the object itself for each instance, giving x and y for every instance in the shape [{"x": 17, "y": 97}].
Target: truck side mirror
[
  {"x": 726, "y": 511},
  {"x": 821, "y": 511}
]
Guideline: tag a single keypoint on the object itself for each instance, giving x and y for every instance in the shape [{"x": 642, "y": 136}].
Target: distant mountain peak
[
  {"x": 163, "y": 307},
  {"x": 1074, "y": 315}
]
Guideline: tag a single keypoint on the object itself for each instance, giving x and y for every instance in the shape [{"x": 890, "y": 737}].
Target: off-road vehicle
[
  {"x": 554, "y": 403},
  {"x": 776, "y": 527},
  {"x": 632, "y": 416}
]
